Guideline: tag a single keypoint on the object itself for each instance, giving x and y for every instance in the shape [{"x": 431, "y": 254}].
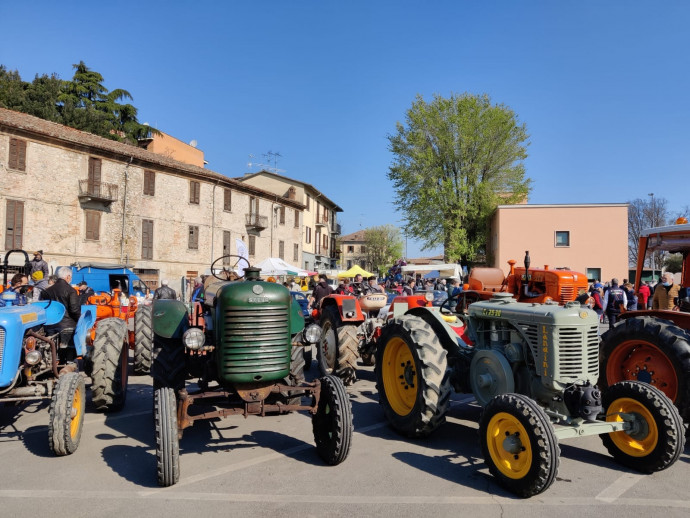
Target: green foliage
[
  {"x": 673, "y": 263},
  {"x": 383, "y": 246},
  {"x": 83, "y": 103},
  {"x": 455, "y": 160}
]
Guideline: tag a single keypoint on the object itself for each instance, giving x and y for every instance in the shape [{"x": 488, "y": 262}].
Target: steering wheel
[
  {"x": 229, "y": 274},
  {"x": 462, "y": 300}
]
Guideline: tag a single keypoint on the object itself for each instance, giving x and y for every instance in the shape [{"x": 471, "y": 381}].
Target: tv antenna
[{"x": 269, "y": 156}]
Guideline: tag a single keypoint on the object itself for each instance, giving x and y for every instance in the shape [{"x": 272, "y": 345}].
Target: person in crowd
[
  {"x": 84, "y": 292},
  {"x": 321, "y": 290},
  {"x": 408, "y": 289},
  {"x": 313, "y": 280},
  {"x": 666, "y": 295},
  {"x": 597, "y": 305},
  {"x": 19, "y": 284},
  {"x": 52, "y": 279},
  {"x": 372, "y": 286},
  {"x": 40, "y": 284},
  {"x": 455, "y": 287},
  {"x": 358, "y": 287},
  {"x": 643, "y": 295},
  {"x": 630, "y": 295},
  {"x": 614, "y": 302},
  {"x": 293, "y": 285},
  {"x": 38, "y": 264},
  {"x": 63, "y": 293},
  {"x": 164, "y": 291},
  {"x": 344, "y": 288},
  {"x": 197, "y": 290}
]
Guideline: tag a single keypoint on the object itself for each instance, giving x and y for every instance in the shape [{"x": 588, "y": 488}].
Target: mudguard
[
  {"x": 450, "y": 340},
  {"x": 170, "y": 318},
  {"x": 84, "y": 325},
  {"x": 296, "y": 318},
  {"x": 54, "y": 311}
]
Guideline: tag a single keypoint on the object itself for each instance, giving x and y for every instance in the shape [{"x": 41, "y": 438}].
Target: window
[
  {"x": 363, "y": 264},
  {"x": 296, "y": 218},
  {"x": 149, "y": 183},
  {"x": 17, "y": 154},
  {"x": 350, "y": 249},
  {"x": 227, "y": 201},
  {"x": 562, "y": 238},
  {"x": 253, "y": 205},
  {"x": 147, "y": 239},
  {"x": 94, "y": 181},
  {"x": 226, "y": 247},
  {"x": 308, "y": 202},
  {"x": 593, "y": 274},
  {"x": 193, "y": 241},
  {"x": 252, "y": 245},
  {"x": 194, "y": 190},
  {"x": 349, "y": 264},
  {"x": 363, "y": 249},
  {"x": 281, "y": 249},
  {"x": 14, "y": 225},
  {"x": 281, "y": 210},
  {"x": 325, "y": 242},
  {"x": 295, "y": 252},
  {"x": 93, "y": 225},
  {"x": 307, "y": 233}
]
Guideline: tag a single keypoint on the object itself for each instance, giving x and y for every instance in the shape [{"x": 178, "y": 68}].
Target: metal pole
[{"x": 653, "y": 225}]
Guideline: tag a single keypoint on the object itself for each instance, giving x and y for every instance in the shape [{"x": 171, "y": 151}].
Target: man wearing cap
[
  {"x": 164, "y": 292},
  {"x": 38, "y": 264}
]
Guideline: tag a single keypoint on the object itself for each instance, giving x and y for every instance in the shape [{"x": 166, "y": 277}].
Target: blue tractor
[{"x": 36, "y": 366}]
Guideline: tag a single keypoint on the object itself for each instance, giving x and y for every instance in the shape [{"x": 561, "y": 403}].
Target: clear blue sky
[{"x": 603, "y": 87}]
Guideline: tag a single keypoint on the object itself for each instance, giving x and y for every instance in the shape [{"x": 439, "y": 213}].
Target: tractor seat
[{"x": 486, "y": 279}]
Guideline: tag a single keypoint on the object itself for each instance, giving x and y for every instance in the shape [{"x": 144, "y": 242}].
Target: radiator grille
[
  {"x": 567, "y": 294},
  {"x": 255, "y": 340},
  {"x": 578, "y": 353}
]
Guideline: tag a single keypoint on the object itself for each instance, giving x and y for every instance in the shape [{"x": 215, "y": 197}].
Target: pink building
[{"x": 588, "y": 238}]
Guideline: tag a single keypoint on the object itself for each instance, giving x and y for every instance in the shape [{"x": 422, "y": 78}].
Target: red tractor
[{"x": 654, "y": 345}]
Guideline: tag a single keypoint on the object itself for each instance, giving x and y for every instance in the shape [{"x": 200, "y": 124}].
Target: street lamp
[{"x": 653, "y": 225}]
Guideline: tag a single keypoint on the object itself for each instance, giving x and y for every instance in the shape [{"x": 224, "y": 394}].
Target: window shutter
[
  {"x": 281, "y": 249},
  {"x": 296, "y": 218},
  {"x": 14, "y": 158},
  {"x": 14, "y": 224},
  {"x": 21, "y": 152},
  {"x": 295, "y": 255},
  {"x": 147, "y": 239},
  {"x": 226, "y": 246},
  {"x": 282, "y": 215},
  {"x": 193, "y": 242},
  {"x": 149, "y": 183},
  {"x": 93, "y": 223},
  {"x": 227, "y": 201}
]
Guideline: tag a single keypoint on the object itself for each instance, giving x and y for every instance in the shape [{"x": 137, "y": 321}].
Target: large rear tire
[
  {"x": 337, "y": 353},
  {"x": 519, "y": 444},
  {"x": 67, "y": 414},
  {"x": 110, "y": 362},
  {"x": 332, "y": 423},
  {"x": 411, "y": 376},
  {"x": 167, "y": 442},
  {"x": 657, "y": 437},
  {"x": 650, "y": 350},
  {"x": 169, "y": 363},
  {"x": 143, "y": 340}
]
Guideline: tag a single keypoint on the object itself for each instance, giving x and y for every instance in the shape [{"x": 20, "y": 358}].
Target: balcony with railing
[
  {"x": 321, "y": 220},
  {"x": 97, "y": 191},
  {"x": 336, "y": 229},
  {"x": 256, "y": 221}
]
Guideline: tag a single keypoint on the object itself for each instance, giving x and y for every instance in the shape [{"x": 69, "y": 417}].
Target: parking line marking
[{"x": 619, "y": 487}]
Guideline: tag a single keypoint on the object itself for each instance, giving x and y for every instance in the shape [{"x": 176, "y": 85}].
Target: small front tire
[
  {"x": 332, "y": 423},
  {"x": 167, "y": 441},
  {"x": 67, "y": 414}
]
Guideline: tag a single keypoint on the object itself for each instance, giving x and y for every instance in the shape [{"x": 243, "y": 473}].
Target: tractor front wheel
[
  {"x": 519, "y": 444},
  {"x": 143, "y": 340},
  {"x": 67, "y": 414},
  {"x": 110, "y": 362},
  {"x": 656, "y": 437},
  {"x": 167, "y": 441},
  {"x": 411, "y": 376},
  {"x": 651, "y": 350},
  {"x": 332, "y": 423},
  {"x": 338, "y": 347},
  {"x": 169, "y": 365}
]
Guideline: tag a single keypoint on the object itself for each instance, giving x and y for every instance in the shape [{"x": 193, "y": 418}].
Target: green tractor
[
  {"x": 533, "y": 369},
  {"x": 244, "y": 349}
]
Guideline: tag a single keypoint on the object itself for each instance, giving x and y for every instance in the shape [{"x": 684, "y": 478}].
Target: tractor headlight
[
  {"x": 429, "y": 296},
  {"x": 193, "y": 338},
  {"x": 33, "y": 357},
  {"x": 312, "y": 333}
]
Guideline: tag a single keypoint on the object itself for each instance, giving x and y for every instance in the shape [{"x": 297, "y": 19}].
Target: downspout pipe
[{"x": 124, "y": 212}]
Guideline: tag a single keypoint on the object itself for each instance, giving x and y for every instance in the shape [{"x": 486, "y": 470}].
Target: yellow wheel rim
[
  {"x": 509, "y": 445},
  {"x": 400, "y": 379},
  {"x": 75, "y": 413},
  {"x": 640, "y": 442}
]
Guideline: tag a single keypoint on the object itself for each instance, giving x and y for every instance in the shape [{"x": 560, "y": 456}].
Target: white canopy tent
[
  {"x": 445, "y": 270},
  {"x": 276, "y": 266}
]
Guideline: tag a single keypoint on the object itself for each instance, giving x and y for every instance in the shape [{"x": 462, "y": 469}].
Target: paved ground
[{"x": 268, "y": 467}]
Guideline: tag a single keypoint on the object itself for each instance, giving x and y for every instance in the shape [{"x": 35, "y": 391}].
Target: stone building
[
  {"x": 80, "y": 197},
  {"x": 354, "y": 251},
  {"x": 320, "y": 226}
]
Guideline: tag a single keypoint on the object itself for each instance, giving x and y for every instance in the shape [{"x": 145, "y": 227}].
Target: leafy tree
[
  {"x": 455, "y": 160},
  {"x": 383, "y": 246},
  {"x": 673, "y": 263}
]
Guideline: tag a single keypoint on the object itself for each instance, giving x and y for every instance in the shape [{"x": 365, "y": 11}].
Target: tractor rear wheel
[
  {"x": 332, "y": 423},
  {"x": 169, "y": 363},
  {"x": 143, "y": 340},
  {"x": 167, "y": 441},
  {"x": 67, "y": 414},
  {"x": 110, "y": 362},
  {"x": 657, "y": 436},
  {"x": 519, "y": 444},
  {"x": 651, "y": 350},
  {"x": 411, "y": 379},
  {"x": 338, "y": 347}
]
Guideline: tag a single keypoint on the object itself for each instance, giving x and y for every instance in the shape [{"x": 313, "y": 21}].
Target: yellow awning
[{"x": 356, "y": 269}]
